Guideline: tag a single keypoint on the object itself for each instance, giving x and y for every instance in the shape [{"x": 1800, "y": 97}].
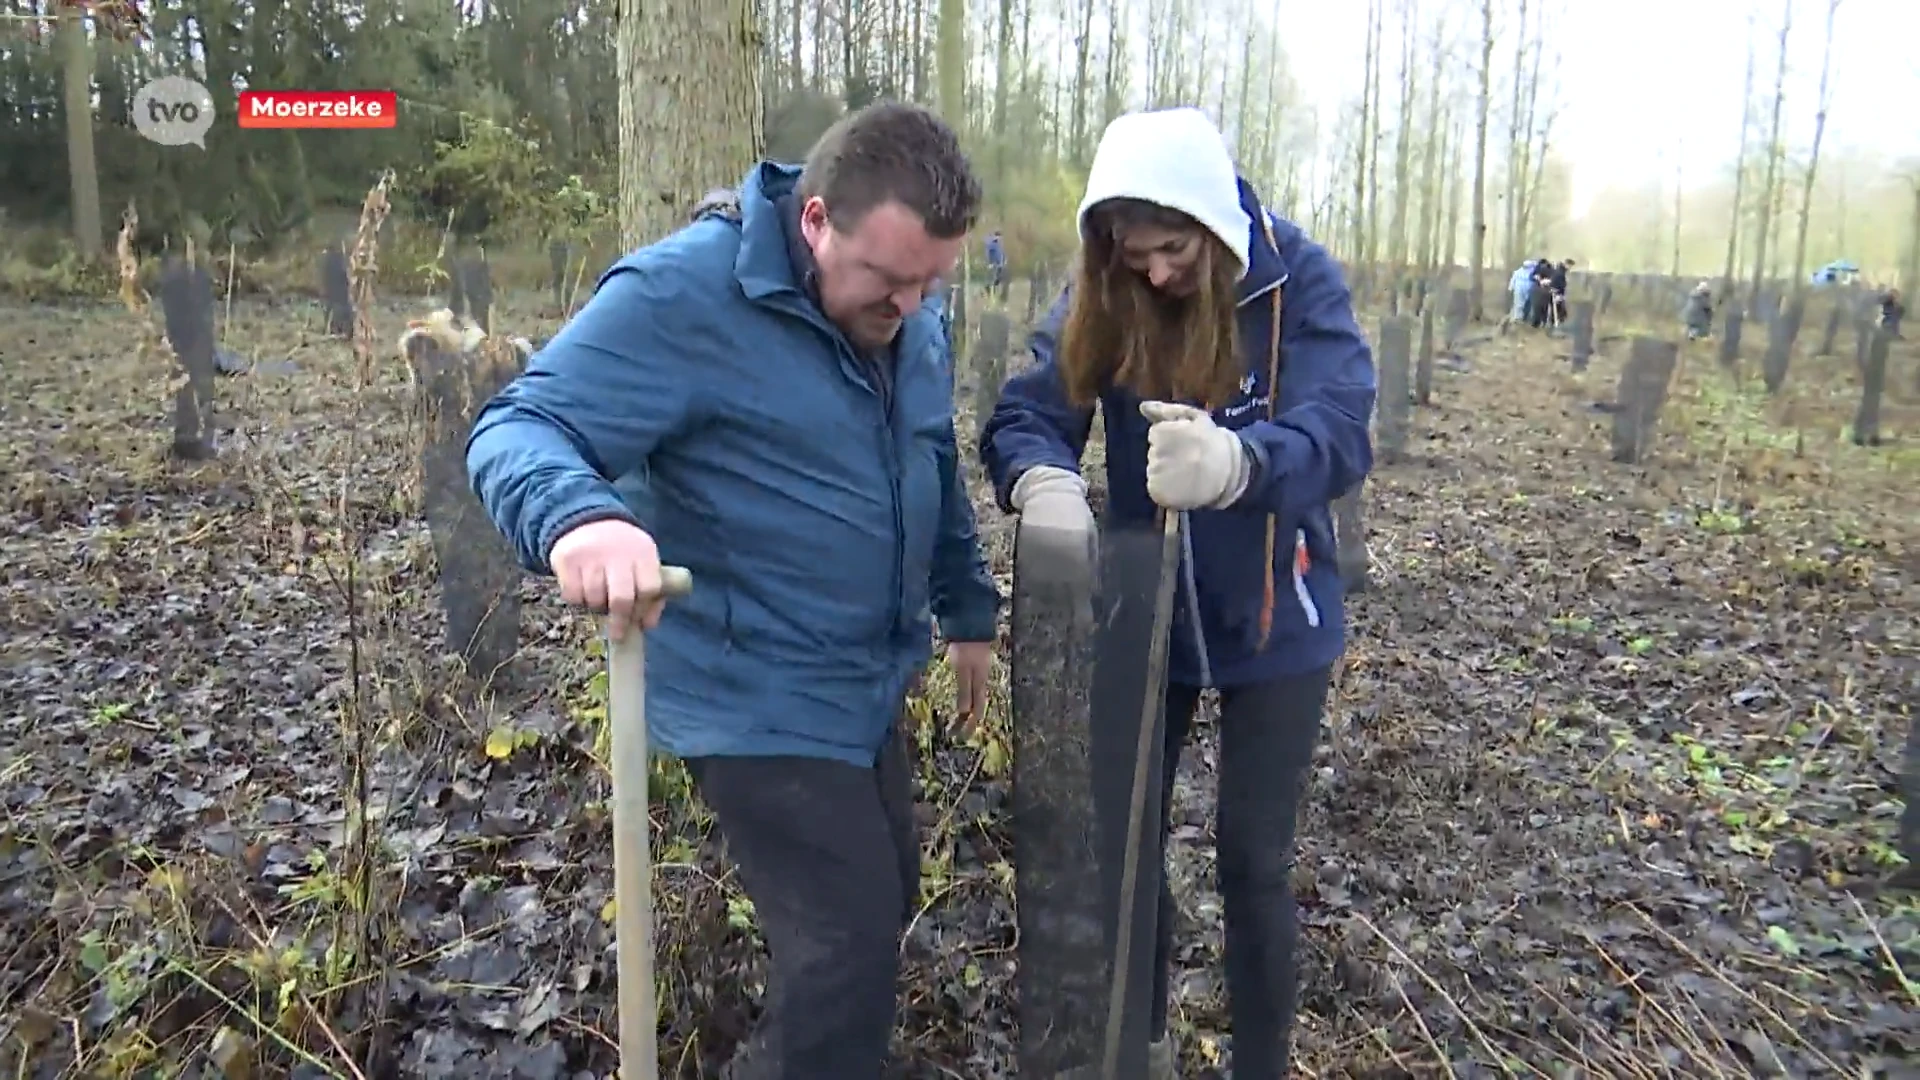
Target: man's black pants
[
  {"x": 1267, "y": 735},
  {"x": 828, "y": 855},
  {"x": 1537, "y": 306}
]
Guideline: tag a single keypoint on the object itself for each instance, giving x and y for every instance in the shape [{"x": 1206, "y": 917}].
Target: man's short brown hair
[{"x": 893, "y": 152}]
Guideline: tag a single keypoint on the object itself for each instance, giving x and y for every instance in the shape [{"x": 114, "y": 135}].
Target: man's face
[
  {"x": 875, "y": 274},
  {"x": 1168, "y": 258}
]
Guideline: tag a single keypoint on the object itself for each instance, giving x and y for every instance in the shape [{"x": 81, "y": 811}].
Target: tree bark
[
  {"x": 1518, "y": 137},
  {"x": 1813, "y": 159},
  {"x": 1740, "y": 168},
  {"x": 690, "y": 110},
  {"x": 1477, "y": 246},
  {"x": 951, "y": 52},
  {"x": 76, "y": 62},
  {"x": 1772, "y": 190}
]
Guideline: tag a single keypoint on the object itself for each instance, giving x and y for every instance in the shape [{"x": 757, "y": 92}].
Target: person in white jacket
[{"x": 1520, "y": 287}]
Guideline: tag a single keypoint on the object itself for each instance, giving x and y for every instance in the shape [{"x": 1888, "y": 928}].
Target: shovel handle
[{"x": 632, "y": 860}]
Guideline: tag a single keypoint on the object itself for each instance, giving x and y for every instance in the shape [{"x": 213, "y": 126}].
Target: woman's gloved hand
[
  {"x": 1192, "y": 463},
  {"x": 1049, "y": 497}
]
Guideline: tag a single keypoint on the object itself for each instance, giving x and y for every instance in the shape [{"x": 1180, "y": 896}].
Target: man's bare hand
[
  {"x": 972, "y": 664},
  {"x": 611, "y": 567}
]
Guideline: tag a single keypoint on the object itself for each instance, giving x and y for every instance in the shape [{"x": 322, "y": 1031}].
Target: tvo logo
[{"x": 173, "y": 110}]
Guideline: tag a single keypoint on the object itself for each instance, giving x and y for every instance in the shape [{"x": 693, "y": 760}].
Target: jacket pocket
[
  {"x": 1298, "y": 565},
  {"x": 1232, "y": 576}
]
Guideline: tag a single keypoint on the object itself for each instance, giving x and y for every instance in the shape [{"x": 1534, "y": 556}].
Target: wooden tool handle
[
  {"x": 632, "y": 861},
  {"x": 675, "y": 581}
]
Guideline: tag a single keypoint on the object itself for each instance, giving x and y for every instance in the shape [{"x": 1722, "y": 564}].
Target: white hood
[{"x": 1178, "y": 159}]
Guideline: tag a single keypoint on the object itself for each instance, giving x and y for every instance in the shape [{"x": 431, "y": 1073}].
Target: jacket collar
[
  {"x": 766, "y": 265},
  {"x": 1266, "y": 270}
]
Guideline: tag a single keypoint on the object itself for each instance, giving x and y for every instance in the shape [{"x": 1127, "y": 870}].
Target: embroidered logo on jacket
[{"x": 1247, "y": 403}]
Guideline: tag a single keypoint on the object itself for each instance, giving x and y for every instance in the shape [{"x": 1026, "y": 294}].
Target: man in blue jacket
[
  {"x": 1221, "y": 347},
  {"x": 772, "y": 368},
  {"x": 996, "y": 262}
]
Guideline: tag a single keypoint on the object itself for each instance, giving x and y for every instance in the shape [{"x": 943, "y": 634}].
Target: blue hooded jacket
[
  {"x": 1316, "y": 450},
  {"x": 814, "y": 495}
]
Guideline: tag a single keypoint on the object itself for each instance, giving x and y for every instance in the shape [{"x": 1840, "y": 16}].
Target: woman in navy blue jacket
[{"x": 1221, "y": 347}]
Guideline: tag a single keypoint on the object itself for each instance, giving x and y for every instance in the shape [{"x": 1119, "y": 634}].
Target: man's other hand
[
  {"x": 611, "y": 567},
  {"x": 972, "y": 664}
]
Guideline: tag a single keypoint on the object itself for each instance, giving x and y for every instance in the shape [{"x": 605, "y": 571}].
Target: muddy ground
[{"x": 1609, "y": 786}]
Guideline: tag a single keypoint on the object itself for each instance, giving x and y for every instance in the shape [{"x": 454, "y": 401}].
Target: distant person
[
  {"x": 1540, "y": 296},
  {"x": 820, "y": 505},
  {"x": 939, "y": 303},
  {"x": 1220, "y": 345},
  {"x": 996, "y": 262},
  {"x": 1698, "y": 312},
  {"x": 1891, "y": 312},
  {"x": 1520, "y": 288},
  {"x": 1557, "y": 281}
]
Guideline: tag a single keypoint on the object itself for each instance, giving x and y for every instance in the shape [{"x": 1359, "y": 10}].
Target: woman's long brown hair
[{"x": 1121, "y": 331}]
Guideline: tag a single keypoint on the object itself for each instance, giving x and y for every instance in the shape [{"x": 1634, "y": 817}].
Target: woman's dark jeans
[{"x": 1267, "y": 735}]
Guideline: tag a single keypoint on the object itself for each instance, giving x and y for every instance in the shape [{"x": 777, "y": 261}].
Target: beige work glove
[{"x": 1192, "y": 463}]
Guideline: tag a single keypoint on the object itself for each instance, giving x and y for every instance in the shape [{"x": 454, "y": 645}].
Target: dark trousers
[
  {"x": 828, "y": 855},
  {"x": 1537, "y": 305},
  {"x": 1267, "y": 736}
]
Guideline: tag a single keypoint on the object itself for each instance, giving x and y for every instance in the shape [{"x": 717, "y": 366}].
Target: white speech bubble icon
[{"x": 173, "y": 110}]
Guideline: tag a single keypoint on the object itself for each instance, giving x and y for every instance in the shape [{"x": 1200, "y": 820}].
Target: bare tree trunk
[
  {"x": 1025, "y": 126},
  {"x": 820, "y": 47},
  {"x": 951, "y": 50},
  {"x": 1530, "y": 159},
  {"x": 796, "y": 71},
  {"x": 1079, "y": 140},
  {"x": 1910, "y": 273},
  {"x": 83, "y": 171},
  {"x": 1740, "y": 166},
  {"x": 1450, "y": 255},
  {"x": 1361, "y": 226},
  {"x": 1433, "y": 156},
  {"x": 1116, "y": 64},
  {"x": 1250, "y": 147},
  {"x": 1373, "y": 140},
  {"x": 690, "y": 109},
  {"x": 1530, "y": 195},
  {"x": 1003, "y": 58},
  {"x": 1771, "y": 191},
  {"x": 1679, "y": 192},
  {"x": 1517, "y": 139},
  {"x": 918, "y": 34},
  {"x": 1478, "y": 241},
  {"x": 1813, "y": 158},
  {"x": 1403, "y": 144}
]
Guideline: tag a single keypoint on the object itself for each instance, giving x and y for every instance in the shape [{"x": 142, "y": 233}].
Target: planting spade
[{"x": 632, "y": 861}]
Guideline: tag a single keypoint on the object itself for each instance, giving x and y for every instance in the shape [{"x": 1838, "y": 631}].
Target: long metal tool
[
  {"x": 632, "y": 860},
  {"x": 1152, "y": 701},
  {"x": 1193, "y": 601}
]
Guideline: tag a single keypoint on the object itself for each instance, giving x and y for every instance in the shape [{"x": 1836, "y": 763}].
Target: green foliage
[
  {"x": 495, "y": 181},
  {"x": 575, "y": 212},
  {"x": 487, "y": 176},
  {"x": 38, "y": 265},
  {"x": 1034, "y": 209}
]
